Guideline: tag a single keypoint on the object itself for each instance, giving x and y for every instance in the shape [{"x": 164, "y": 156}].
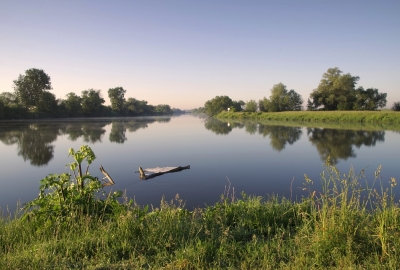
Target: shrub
[{"x": 62, "y": 196}]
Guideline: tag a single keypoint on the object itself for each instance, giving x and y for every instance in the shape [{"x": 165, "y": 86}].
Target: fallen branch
[
  {"x": 145, "y": 177},
  {"x": 110, "y": 182}
]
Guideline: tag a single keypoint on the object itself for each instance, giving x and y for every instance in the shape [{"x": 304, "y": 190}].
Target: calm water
[{"x": 255, "y": 158}]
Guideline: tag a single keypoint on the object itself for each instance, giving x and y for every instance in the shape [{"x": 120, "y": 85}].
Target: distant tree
[
  {"x": 200, "y": 110},
  {"x": 251, "y": 106},
  {"x": 8, "y": 99},
  {"x": 217, "y": 105},
  {"x": 117, "y": 98},
  {"x": 12, "y": 109},
  {"x": 281, "y": 100},
  {"x": 92, "y": 102},
  {"x": 237, "y": 106},
  {"x": 335, "y": 90},
  {"x": 295, "y": 101},
  {"x": 73, "y": 104},
  {"x": 138, "y": 107},
  {"x": 30, "y": 87},
  {"x": 396, "y": 106},
  {"x": 310, "y": 105},
  {"x": 162, "y": 109},
  {"x": 369, "y": 99},
  {"x": 47, "y": 104}
]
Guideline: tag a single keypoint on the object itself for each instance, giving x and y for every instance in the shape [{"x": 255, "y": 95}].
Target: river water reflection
[{"x": 256, "y": 158}]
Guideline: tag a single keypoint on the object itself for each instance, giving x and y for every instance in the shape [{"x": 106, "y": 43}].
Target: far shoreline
[{"x": 385, "y": 116}]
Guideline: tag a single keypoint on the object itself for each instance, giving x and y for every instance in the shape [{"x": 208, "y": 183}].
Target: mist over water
[{"x": 256, "y": 158}]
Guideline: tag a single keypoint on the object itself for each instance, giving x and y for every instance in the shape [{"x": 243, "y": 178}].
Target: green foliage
[
  {"x": 237, "y": 106},
  {"x": 281, "y": 100},
  {"x": 117, "y": 98},
  {"x": 251, "y": 106},
  {"x": 47, "y": 104},
  {"x": 369, "y": 99},
  {"x": 92, "y": 102},
  {"x": 217, "y": 105},
  {"x": 73, "y": 104},
  {"x": 137, "y": 107},
  {"x": 62, "y": 196},
  {"x": 336, "y": 91},
  {"x": 162, "y": 109},
  {"x": 30, "y": 87}
]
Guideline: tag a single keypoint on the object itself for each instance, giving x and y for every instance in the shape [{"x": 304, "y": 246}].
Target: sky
[{"x": 183, "y": 53}]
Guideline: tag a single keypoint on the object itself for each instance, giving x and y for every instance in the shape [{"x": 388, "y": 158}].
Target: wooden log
[
  {"x": 177, "y": 169},
  {"x": 107, "y": 176}
]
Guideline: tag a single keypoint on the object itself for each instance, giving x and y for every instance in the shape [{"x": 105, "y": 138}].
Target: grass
[
  {"x": 388, "y": 117},
  {"x": 345, "y": 225}
]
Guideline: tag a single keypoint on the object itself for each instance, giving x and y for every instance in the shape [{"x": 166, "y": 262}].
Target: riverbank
[
  {"x": 389, "y": 117},
  {"x": 344, "y": 226}
]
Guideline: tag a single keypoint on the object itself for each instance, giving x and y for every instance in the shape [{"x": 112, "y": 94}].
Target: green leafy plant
[{"x": 64, "y": 195}]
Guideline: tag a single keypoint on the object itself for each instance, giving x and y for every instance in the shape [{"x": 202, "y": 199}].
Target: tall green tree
[
  {"x": 73, "y": 104},
  {"x": 117, "y": 98},
  {"x": 281, "y": 100},
  {"x": 92, "y": 102},
  {"x": 237, "y": 106},
  {"x": 162, "y": 109},
  {"x": 369, "y": 99},
  {"x": 217, "y": 105},
  {"x": 47, "y": 104},
  {"x": 251, "y": 106},
  {"x": 137, "y": 107},
  {"x": 30, "y": 87},
  {"x": 335, "y": 90}
]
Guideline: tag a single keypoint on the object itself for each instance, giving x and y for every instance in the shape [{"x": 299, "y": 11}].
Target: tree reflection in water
[
  {"x": 117, "y": 133},
  {"x": 216, "y": 126},
  {"x": 90, "y": 131},
  {"x": 338, "y": 143},
  {"x": 280, "y": 135},
  {"x": 34, "y": 140}
]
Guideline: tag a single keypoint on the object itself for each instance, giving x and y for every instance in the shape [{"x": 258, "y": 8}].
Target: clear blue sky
[{"x": 183, "y": 53}]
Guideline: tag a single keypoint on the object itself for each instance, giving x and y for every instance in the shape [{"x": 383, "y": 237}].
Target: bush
[{"x": 62, "y": 196}]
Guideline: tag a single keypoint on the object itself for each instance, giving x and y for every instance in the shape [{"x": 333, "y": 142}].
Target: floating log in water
[
  {"x": 110, "y": 182},
  {"x": 176, "y": 169}
]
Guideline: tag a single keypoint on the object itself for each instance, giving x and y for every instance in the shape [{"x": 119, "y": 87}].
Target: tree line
[
  {"x": 336, "y": 91},
  {"x": 32, "y": 99}
]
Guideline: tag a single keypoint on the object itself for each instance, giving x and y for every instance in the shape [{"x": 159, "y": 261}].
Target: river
[{"x": 256, "y": 158}]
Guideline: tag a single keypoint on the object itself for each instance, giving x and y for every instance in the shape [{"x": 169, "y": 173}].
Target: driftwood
[
  {"x": 145, "y": 177},
  {"x": 110, "y": 182}
]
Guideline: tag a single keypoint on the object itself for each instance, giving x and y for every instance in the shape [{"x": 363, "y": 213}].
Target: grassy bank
[
  {"x": 389, "y": 117},
  {"x": 344, "y": 226}
]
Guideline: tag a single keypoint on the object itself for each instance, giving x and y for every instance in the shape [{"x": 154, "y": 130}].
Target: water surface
[{"x": 256, "y": 158}]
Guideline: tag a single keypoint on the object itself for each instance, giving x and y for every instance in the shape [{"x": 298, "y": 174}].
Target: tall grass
[
  {"x": 347, "y": 224},
  {"x": 319, "y": 116}
]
